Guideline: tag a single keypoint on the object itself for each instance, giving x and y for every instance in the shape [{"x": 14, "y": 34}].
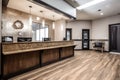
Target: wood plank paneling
[
  {"x": 17, "y": 62},
  {"x": 66, "y": 52},
  {"x": 50, "y": 55}
]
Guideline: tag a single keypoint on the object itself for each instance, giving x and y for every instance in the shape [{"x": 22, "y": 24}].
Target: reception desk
[{"x": 18, "y": 58}]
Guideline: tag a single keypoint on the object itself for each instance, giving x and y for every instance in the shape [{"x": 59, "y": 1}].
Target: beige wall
[
  {"x": 11, "y": 15},
  {"x": 77, "y": 27},
  {"x": 100, "y": 28},
  {"x": 59, "y": 31}
]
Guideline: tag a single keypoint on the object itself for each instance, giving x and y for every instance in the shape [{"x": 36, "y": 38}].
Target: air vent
[{"x": 72, "y": 3}]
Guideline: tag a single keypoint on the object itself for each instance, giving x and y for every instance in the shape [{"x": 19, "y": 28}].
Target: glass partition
[{"x": 39, "y": 32}]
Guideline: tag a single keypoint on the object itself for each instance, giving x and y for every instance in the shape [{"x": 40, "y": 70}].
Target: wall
[
  {"x": 77, "y": 27},
  {"x": 59, "y": 31},
  {"x": 0, "y": 17},
  {"x": 0, "y": 32},
  {"x": 100, "y": 28},
  {"x": 11, "y": 15}
]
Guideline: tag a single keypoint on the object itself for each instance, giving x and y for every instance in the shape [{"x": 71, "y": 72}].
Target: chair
[{"x": 98, "y": 46}]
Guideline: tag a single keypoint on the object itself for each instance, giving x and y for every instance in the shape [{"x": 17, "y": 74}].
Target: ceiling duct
[{"x": 72, "y": 3}]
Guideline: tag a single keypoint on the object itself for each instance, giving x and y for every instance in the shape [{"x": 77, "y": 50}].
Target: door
[
  {"x": 68, "y": 34},
  {"x": 114, "y": 37},
  {"x": 85, "y": 39}
]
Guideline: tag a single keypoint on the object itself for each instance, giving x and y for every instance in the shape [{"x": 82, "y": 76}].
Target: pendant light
[
  {"x": 30, "y": 18},
  {"x": 62, "y": 26},
  {"x": 53, "y": 23},
  {"x": 43, "y": 20}
]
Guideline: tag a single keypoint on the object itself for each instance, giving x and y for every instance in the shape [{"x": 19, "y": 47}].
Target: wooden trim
[
  {"x": 77, "y": 49},
  {"x": 77, "y": 39},
  {"x": 99, "y": 39},
  {"x": 92, "y": 39}
]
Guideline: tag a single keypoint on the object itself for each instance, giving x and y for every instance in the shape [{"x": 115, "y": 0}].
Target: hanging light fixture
[
  {"x": 62, "y": 26},
  {"x": 53, "y": 24},
  {"x": 30, "y": 18},
  {"x": 43, "y": 20}
]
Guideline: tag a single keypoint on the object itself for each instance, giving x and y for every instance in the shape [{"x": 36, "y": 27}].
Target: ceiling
[
  {"x": 108, "y": 8},
  {"x": 23, "y": 5}
]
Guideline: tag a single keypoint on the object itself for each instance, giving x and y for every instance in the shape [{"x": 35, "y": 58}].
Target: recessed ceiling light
[
  {"x": 38, "y": 18},
  {"x": 89, "y": 4},
  {"x": 99, "y": 9},
  {"x": 101, "y": 14}
]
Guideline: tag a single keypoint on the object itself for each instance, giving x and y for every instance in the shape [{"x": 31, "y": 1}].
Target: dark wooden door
[
  {"x": 85, "y": 39},
  {"x": 114, "y": 37}
]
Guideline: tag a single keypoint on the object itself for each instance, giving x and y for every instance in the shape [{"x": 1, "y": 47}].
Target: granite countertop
[
  {"x": 36, "y": 49},
  {"x": 35, "y": 42},
  {"x": 13, "y": 48}
]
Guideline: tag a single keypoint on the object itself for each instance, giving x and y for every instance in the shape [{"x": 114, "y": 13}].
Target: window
[{"x": 39, "y": 32}]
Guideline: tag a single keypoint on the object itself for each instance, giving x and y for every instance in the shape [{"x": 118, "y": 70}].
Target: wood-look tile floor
[{"x": 85, "y": 65}]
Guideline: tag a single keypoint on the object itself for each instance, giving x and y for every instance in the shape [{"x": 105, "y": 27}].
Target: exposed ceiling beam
[
  {"x": 72, "y": 3},
  {"x": 43, "y": 4}
]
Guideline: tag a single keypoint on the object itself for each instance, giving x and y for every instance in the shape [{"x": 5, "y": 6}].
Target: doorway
[
  {"x": 114, "y": 37},
  {"x": 68, "y": 34},
  {"x": 85, "y": 39}
]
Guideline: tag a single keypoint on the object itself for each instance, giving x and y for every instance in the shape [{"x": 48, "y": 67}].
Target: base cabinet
[{"x": 19, "y": 63}]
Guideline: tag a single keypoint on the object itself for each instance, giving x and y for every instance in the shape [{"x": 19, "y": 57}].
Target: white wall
[
  {"x": 100, "y": 29},
  {"x": 100, "y": 26},
  {"x": 59, "y": 31},
  {"x": 77, "y": 27}
]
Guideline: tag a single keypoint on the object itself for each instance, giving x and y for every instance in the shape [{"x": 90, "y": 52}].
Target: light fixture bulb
[
  {"x": 43, "y": 23},
  {"x": 53, "y": 24},
  {"x": 101, "y": 13},
  {"x": 37, "y": 18}
]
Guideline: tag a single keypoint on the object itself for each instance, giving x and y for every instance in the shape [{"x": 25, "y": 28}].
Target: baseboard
[
  {"x": 89, "y": 49},
  {"x": 77, "y": 49}
]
